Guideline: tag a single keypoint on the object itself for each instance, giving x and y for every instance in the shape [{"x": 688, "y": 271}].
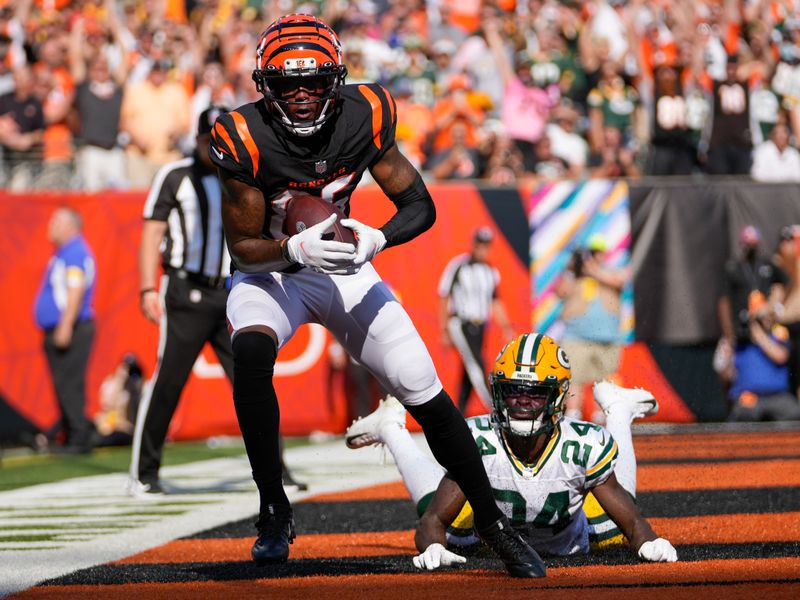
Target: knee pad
[
  {"x": 411, "y": 380},
  {"x": 254, "y": 349}
]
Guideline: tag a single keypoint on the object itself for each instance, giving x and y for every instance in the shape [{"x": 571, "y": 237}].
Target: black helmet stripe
[
  {"x": 296, "y": 25},
  {"x": 302, "y": 46}
]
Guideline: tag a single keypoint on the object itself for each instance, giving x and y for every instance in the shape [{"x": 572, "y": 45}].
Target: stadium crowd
[{"x": 99, "y": 94}]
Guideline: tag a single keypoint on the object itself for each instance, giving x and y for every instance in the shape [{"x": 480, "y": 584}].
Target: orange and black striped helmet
[{"x": 294, "y": 50}]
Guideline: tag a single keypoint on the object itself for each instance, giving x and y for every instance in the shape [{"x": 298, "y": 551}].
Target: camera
[{"x": 579, "y": 256}]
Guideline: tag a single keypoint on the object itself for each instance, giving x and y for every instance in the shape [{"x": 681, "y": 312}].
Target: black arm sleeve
[{"x": 415, "y": 214}]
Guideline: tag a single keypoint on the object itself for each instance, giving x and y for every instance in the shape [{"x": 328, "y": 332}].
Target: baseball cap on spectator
[
  {"x": 444, "y": 46},
  {"x": 750, "y": 236},
  {"x": 205, "y": 123},
  {"x": 597, "y": 243},
  {"x": 484, "y": 235}
]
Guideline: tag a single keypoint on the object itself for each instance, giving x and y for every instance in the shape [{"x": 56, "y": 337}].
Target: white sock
[
  {"x": 618, "y": 423},
  {"x": 421, "y": 474}
]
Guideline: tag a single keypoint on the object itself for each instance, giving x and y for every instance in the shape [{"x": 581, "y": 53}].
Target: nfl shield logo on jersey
[{"x": 321, "y": 166}]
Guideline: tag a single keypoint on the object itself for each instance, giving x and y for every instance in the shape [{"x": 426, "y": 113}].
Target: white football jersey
[{"x": 545, "y": 500}]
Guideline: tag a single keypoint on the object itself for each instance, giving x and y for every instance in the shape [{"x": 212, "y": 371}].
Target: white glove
[
  {"x": 370, "y": 241},
  {"x": 436, "y": 556},
  {"x": 658, "y": 550},
  {"x": 326, "y": 256}
]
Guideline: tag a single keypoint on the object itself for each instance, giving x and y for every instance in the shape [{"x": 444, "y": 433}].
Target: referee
[
  {"x": 182, "y": 228},
  {"x": 467, "y": 298},
  {"x": 183, "y": 224}
]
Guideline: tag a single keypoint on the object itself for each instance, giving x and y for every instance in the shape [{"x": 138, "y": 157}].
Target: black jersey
[
  {"x": 252, "y": 145},
  {"x": 669, "y": 120},
  {"x": 730, "y": 123}
]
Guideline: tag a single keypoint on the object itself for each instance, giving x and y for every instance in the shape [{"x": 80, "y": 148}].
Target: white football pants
[{"x": 360, "y": 312}]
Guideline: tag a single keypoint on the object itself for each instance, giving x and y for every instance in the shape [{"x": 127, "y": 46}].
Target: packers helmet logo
[{"x": 562, "y": 358}]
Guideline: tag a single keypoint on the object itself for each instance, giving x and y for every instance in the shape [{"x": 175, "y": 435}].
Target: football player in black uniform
[{"x": 313, "y": 134}]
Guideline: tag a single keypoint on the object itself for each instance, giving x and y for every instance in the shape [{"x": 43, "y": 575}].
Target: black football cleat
[
  {"x": 275, "y": 533},
  {"x": 519, "y": 558}
]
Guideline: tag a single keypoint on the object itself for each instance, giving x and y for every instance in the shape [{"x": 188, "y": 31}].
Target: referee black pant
[
  {"x": 467, "y": 337},
  {"x": 68, "y": 369},
  {"x": 192, "y": 315}
]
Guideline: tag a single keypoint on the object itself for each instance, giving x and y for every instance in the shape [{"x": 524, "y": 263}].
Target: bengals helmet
[
  {"x": 299, "y": 48},
  {"x": 529, "y": 383}
]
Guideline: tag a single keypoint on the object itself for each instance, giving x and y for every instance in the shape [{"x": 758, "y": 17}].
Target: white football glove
[
  {"x": 436, "y": 556},
  {"x": 370, "y": 241},
  {"x": 326, "y": 256},
  {"x": 658, "y": 550}
]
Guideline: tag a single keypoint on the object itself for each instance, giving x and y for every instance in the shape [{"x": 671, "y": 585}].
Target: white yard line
[{"x": 211, "y": 493}]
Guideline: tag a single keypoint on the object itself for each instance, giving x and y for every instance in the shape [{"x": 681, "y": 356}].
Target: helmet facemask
[
  {"x": 529, "y": 384},
  {"x": 528, "y": 408},
  {"x": 299, "y": 69},
  {"x": 321, "y": 85}
]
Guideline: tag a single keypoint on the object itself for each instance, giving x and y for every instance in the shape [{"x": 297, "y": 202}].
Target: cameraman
[
  {"x": 747, "y": 278},
  {"x": 591, "y": 291},
  {"x": 760, "y": 387}
]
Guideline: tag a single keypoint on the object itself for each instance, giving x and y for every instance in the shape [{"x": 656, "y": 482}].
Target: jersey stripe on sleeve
[
  {"x": 389, "y": 101},
  {"x": 220, "y": 133},
  {"x": 377, "y": 113},
  {"x": 605, "y": 462},
  {"x": 247, "y": 139}
]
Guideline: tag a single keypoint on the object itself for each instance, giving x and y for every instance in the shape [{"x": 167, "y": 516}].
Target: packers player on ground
[{"x": 566, "y": 485}]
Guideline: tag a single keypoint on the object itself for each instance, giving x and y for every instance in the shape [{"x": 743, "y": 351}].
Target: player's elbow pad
[{"x": 415, "y": 214}]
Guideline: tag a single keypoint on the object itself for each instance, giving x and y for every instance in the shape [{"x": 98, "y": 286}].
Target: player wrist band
[
  {"x": 284, "y": 243},
  {"x": 146, "y": 291}
]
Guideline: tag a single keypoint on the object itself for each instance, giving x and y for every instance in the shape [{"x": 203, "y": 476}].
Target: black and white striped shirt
[
  {"x": 471, "y": 287},
  {"x": 189, "y": 200}
]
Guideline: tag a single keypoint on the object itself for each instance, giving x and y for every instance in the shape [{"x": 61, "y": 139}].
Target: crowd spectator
[
  {"x": 672, "y": 152},
  {"x": 525, "y": 106},
  {"x": 21, "y": 131},
  {"x": 751, "y": 280},
  {"x": 591, "y": 289},
  {"x": 730, "y": 145},
  {"x": 613, "y": 103},
  {"x": 787, "y": 259},
  {"x": 153, "y": 135},
  {"x": 693, "y": 86},
  {"x": 775, "y": 160},
  {"x": 612, "y": 159},
  {"x": 100, "y": 161},
  {"x": 759, "y": 388}
]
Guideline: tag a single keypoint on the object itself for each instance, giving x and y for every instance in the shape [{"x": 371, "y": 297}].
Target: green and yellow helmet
[{"x": 529, "y": 383}]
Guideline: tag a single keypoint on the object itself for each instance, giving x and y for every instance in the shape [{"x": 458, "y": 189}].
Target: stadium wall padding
[
  {"x": 681, "y": 233},
  {"x": 112, "y": 223}
]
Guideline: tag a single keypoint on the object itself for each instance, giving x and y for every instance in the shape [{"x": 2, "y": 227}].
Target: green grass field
[{"x": 21, "y": 470}]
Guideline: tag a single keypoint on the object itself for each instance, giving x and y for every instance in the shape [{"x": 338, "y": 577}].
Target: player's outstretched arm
[
  {"x": 403, "y": 184},
  {"x": 431, "y": 535},
  {"x": 622, "y": 510}
]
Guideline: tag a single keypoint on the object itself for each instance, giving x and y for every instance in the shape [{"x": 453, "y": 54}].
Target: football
[{"x": 305, "y": 210}]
